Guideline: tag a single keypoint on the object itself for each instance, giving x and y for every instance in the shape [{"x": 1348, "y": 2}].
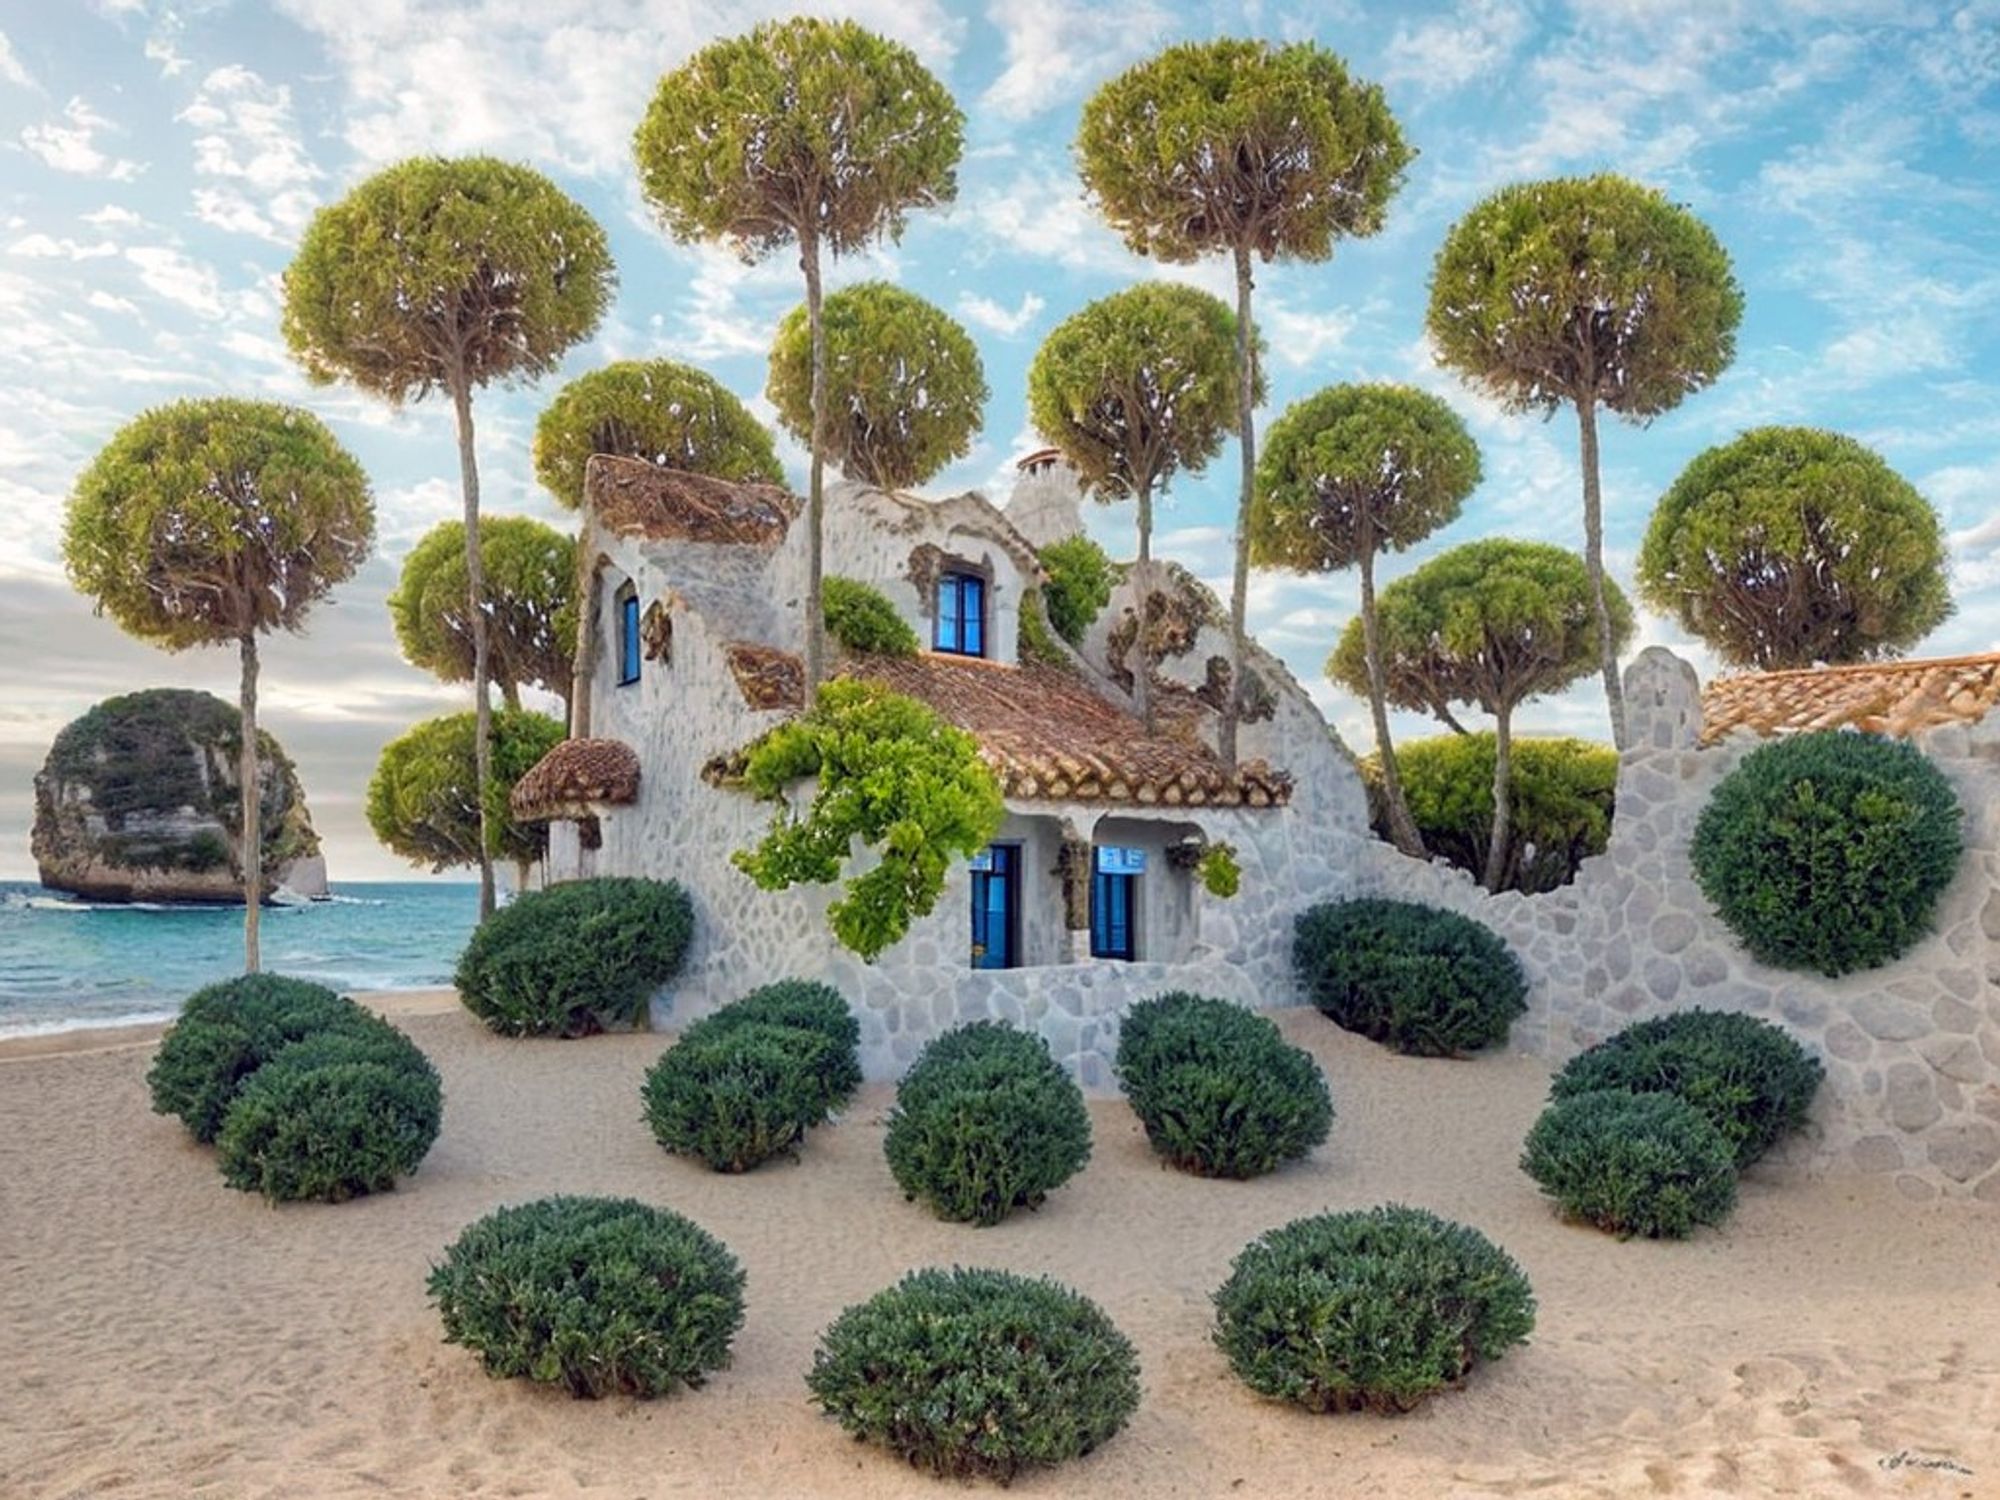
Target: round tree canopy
[
  {"x": 1790, "y": 547},
  {"x": 437, "y": 264},
  {"x": 799, "y": 127},
  {"x": 1138, "y": 386},
  {"x": 423, "y": 801},
  {"x": 1490, "y": 623},
  {"x": 530, "y": 597},
  {"x": 1358, "y": 468},
  {"x": 1213, "y": 145},
  {"x": 204, "y": 521},
  {"x": 904, "y": 385},
  {"x": 1584, "y": 287},
  {"x": 667, "y": 414}
]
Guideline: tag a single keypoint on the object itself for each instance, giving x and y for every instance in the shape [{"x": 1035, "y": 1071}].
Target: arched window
[{"x": 630, "y": 648}]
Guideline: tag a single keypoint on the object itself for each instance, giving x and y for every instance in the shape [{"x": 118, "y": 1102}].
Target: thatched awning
[{"x": 575, "y": 779}]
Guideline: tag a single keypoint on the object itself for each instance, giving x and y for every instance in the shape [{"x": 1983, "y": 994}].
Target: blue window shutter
[
  {"x": 948, "y": 612},
  {"x": 972, "y": 593},
  {"x": 628, "y": 638}
]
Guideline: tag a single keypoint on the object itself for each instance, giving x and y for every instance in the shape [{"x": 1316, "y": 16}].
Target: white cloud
[
  {"x": 1474, "y": 42},
  {"x": 248, "y": 144},
  {"x": 11, "y": 69},
  {"x": 104, "y": 301},
  {"x": 72, "y": 147},
  {"x": 991, "y": 315},
  {"x": 46, "y": 247},
  {"x": 160, "y": 50},
  {"x": 110, "y": 214},
  {"x": 168, "y": 273},
  {"x": 1055, "y": 48}
]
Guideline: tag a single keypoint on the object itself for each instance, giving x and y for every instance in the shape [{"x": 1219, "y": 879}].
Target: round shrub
[
  {"x": 331, "y": 1118},
  {"x": 1828, "y": 851},
  {"x": 738, "y": 1096},
  {"x": 809, "y": 1006},
  {"x": 575, "y": 958},
  {"x": 1649, "y": 1164},
  {"x": 1220, "y": 1092},
  {"x": 228, "y": 1031},
  {"x": 862, "y": 619},
  {"x": 1377, "y": 1309},
  {"x": 1752, "y": 1081},
  {"x": 985, "y": 1122},
  {"x": 601, "y": 1296},
  {"x": 1423, "y": 980},
  {"x": 977, "y": 1373}
]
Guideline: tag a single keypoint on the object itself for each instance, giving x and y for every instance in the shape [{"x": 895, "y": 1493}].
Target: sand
[{"x": 165, "y": 1336}]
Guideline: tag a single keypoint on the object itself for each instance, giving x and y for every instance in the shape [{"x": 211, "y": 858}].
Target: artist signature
[{"x": 1905, "y": 1459}]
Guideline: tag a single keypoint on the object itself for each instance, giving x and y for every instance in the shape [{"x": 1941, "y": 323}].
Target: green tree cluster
[{"x": 423, "y": 800}]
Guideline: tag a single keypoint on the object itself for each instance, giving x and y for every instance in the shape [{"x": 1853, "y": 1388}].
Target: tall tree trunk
[
  {"x": 816, "y": 484},
  {"x": 590, "y": 599},
  {"x": 252, "y": 792},
  {"x": 1503, "y": 799},
  {"x": 1402, "y": 827},
  {"x": 1239, "y": 590},
  {"x": 475, "y": 589},
  {"x": 1142, "y": 641},
  {"x": 1593, "y": 562},
  {"x": 510, "y": 694}
]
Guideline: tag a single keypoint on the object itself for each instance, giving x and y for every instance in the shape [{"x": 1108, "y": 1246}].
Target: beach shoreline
[{"x": 89, "y": 1034}]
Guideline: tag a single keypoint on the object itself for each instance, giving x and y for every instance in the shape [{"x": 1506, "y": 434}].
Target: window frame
[
  {"x": 631, "y": 649},
  {"x": 963, "y": 623}
]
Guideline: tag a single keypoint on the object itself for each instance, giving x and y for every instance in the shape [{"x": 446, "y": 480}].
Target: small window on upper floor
[
  {"x": 629, "y": 645},
  {"x": 961, "y": 614}
]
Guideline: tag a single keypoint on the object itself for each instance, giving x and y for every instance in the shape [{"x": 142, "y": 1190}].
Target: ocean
[{"x": 67, "y": 963}]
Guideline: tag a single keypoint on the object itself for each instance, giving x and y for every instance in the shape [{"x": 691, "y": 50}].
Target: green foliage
[
  {"x": 1751, "y": 1080},
  {"x": 1221, "y": 875},
  {"x": 1648, "y": 1164},
  {"x": 1789, "y": 547},
  {"x": 1357, "y": 470},
  {"x": 1373, "y": 1310},
  {"x": 985, "y": 1122},
  {"x": 1136, "y": 388},
  {"x": 1423, "y": 980},
  {"x": 974, "y": 1373},
  {"x": 1080, "y": 577},
  {"x": 1490, "y": 623},
  {"x": 804, "y": 1005},
  {"x": 1034, "y": 641},
  {"x": 892, "y": 774},
  {"x": 862, "y": 619},
  {"x": 1828, "y": 851},
  {"x": 575, "y": 958},
  {"x": 669, "y": 415},
  {"x": 438, "y": 270},
  {"x": 1220, "y": 1093},
  {"x": 739, "y": 1096},
  {"x": 799, "y": 127},
  {"x": 330, "y": 1118},
  {"x": 423, "y": 800},
  {"x": 529, "y": 573},
  {"x": 206, "y": 521},
  {"x": 602, "y": 1296},
  {"x": 1294, "y": 154},
  {"x": 1564, "y": 791},
  {"x": 904, "y": 385},
  {"x": 1584, "y": 288}
]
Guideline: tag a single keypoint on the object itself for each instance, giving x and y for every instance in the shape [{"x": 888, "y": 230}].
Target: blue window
[
  {"x": 628, "y": 635},
  {"x": 1114, "y": 890},
  {"x": 996, "y": 902},
  {"x": 961, "y": 615}
]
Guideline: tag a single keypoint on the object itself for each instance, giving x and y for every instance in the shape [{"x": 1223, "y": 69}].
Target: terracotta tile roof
[
  {"x": 1890, "y": 697},
  {"x": 638, "y": 499},
  {"x": 1041, "y": 458},
  {"x": 577, "y": 773},
  {"x": 766, "y": 676}
]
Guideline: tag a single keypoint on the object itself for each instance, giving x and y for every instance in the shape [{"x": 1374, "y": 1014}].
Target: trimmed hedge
[
  {"x": 600, "y": 1296},
  {"x": 977, "y": 1373},
  {"x": 1219, "y": 1091},
  {"x": 1828, "y": 851},
  {"x": 228, "y": 1031},
  {"x": 861, "y": 618},
  {"x": 1423, "y": 980},
  {"x": 739, "y": 1095},
  {"x": 1376, "y": 1309},
  {"x": 985, "y": 1122},
  {"x": 1754, "y": 1082},
  {"x": 575, "y": 958},
  {"x": 809, "y": 1006},
  {"x": 1647, "y": 1164}
]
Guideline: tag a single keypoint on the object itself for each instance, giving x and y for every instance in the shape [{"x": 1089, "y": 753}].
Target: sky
[{"x": 158, "y": 162}]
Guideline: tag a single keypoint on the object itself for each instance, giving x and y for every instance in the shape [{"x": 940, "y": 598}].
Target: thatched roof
[
  {"x": 575, "y": 778},
  {"x": 1890, "y": 697},
  {"x": 637, "y": 499}
]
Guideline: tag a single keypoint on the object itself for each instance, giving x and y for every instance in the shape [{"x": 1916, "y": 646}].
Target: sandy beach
[{"x": 169, "y": 1337}]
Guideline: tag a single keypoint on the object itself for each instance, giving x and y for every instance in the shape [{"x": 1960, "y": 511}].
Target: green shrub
[
  {"x": 1752, "y": 1081},
  {"x": 1080, "y": 575},
  {"x": 575, "y": 958},
  {"x": 601, "y": 1296},
  {"x": 228, "y": 1031},
  {"x": 1220, "y": 1092},
  {"x": 331, "y": 1118},
  {"x": 809, "y": 1006},
  {"x": 1828, "y": 851},
  {"x": 1564, "y": 792},
  {"x": 986, "y": 1122},
  {"x": 738, "y": 1096},
  {"x": 1034, "y": 641},
  {"x": 977, "y": 1373},
  {"x": 862, "y": 619},
  {"x": 1423, "y": 980},
  {"x": 1649, "y": 1164},
  {"x": 1375, "y": 1309}
]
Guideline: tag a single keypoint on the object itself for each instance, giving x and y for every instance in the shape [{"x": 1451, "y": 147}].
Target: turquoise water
[{"x": 66, "y": 963}]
